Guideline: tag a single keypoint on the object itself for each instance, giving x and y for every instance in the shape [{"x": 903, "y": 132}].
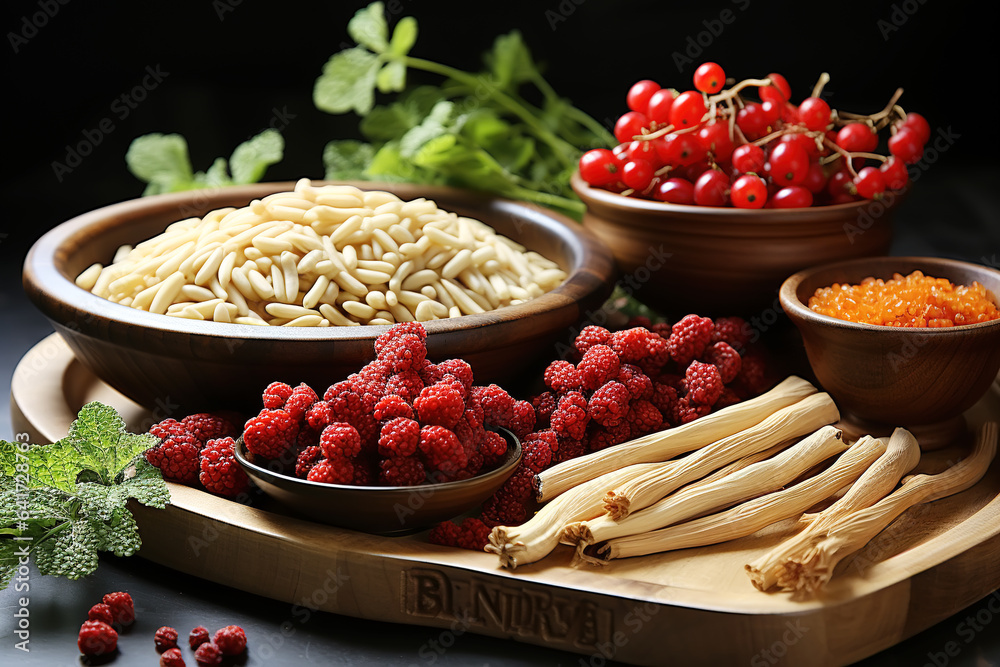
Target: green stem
[
  {"x": 547, "y": 199},
  {"x": 562, "y": 149},
  {"x": 576, "y": 114}
]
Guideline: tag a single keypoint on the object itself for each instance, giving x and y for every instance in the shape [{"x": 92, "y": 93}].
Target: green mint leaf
[
  {"x": 388, "y": 122},
  {"x": 347, "y": 159},
  {"x": 368, "y": 27},
  {"x": 70, "y": 552},
  {"x": 437, "y": 123},
  {"x": 217, "y": 175},
  {"x": 404, "y": 36},
  {"x": 510, "y": 61},
  {"x": 388, "y": 164},
  {"x": 391, "y": 78},
  {"x": 252, "y": 158},
  {"x": 144, "y": 482},
  {"x": 347, "y": 82},
  {"x": 161, "y": 160},
  {"x": 119, "y": 535},
  {"x": 101, "y": 442}
]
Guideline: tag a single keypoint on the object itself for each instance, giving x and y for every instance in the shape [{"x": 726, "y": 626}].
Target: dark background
[{"x": 234, "y": 67}]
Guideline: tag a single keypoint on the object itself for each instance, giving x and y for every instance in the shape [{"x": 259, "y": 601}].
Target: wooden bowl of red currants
[{"x": 712, "y": 198}]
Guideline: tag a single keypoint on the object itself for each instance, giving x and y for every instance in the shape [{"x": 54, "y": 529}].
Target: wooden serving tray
[{"x": 694, "y": 606}]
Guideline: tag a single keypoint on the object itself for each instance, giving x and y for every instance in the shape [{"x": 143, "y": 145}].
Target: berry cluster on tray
[{"x": 712, "y": 147}]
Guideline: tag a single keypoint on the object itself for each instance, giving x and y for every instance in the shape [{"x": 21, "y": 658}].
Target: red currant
[
  {"x": 639, "y": 94},
  {"x": 711, "y": 189},
  {"x": 895, "y": 174},
  {"x": 855, "y": 137},
  {"x": 641, "y": 150},
  {"x": 771, "y": 111},
  {"x": 778, "y": 92},
  {"x": 675, "y": 191},
  {"x": 870, "y": 183},
  {"x": 714, "y": 138},
  {"x": 794, "y": 196},
  {"x": 789, "y": 164},
  {"x": 815, "y": 180},
  {"x": 840, "y": 183},
  {"x": 906, "y": 145},
  {"x": 804, "y": 140},
  {"x": 687, "y": 109},
  {"x": 709, "y": 78},
  {"x": 752, "y": 121},
  {"x": 919, "y": 124},
  {"x": 658, "y": 109},
  {"x": 630, "y": 125},
  {"x": 688, "y": 149},
  {"x": 749, "y": 157},
  {"x": 749, "y": 191},
  {"x": 600, "y": 167},
  {"x": 814, "y": 113},
  {"x": 637, "y": 174},
  {"x": 790, "y": 114}
]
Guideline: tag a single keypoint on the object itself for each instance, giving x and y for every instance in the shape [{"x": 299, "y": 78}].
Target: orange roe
[{"x": 915, "y": 300}]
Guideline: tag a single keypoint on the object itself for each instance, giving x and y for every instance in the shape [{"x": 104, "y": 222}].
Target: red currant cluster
[{"x": 712, "y": 147}]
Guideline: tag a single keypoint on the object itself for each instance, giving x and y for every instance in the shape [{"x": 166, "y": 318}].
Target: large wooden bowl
[
  {"x": 172, "y": 365},
  {"x": 727, "y": 261},
  {"x": 901, "y": 376}
]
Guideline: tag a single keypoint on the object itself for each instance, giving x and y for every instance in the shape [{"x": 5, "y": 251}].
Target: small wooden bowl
[
  {"x": 174, "y": 366},
  {"x": 381, "y": 510},
  {"x": 727, "y": 261},
  {"x": 913, "y": 377}
]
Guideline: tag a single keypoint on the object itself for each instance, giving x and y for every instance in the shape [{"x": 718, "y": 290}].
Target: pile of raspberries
[
  {"x": 619, "y": 386},
  {"x": 98, "y": 635},
  {"x": 199, "y": 448},
  {"x": 400, "y": 421}
]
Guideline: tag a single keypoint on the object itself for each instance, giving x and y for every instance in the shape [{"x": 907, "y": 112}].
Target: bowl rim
[
  {"x": 793, "y": 306},
  {"x": 590, "y": 194},
  {"x": 513, "y": 458},
  {"x": 42, "y": 279}
]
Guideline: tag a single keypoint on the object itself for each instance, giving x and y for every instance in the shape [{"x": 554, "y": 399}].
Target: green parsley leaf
[
  {"x": 347, "y": 82},
  {"x": 252, "y": 158},
  {"x": 434, "y": 125},
  {"x": 346, "y": 160},
  {"x": 404, "y": 36},
  {"x": 510, "y": 61},
  {"x": 161, "y": 160},
  {"x": 391, "y": 78},
  {"x": 368, "y": 27}
]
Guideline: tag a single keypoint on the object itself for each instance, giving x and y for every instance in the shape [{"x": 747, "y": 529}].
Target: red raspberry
[
  {"x": 657, "y": 354},
  {"x": 498, "y": 405},
  {"x": 590, "y": 336},
  {"x": 439, "y": 404},
  {"x": 345, "y": 403},
  {"x": 301, "y": 399},
  {"x": 399, "y": 437},
  {"x": 728, "y": 397},
  {"x": 685, "y": 411},
  {"x": 407, "y": 385},
  {"x": 570, "y": 448},
  {"x": 460, "y": 369},
  {"x": 599, "y": 365},
  {"x": 753, "y": 377},
  {"x": 307, "y": 437},
  {"x": 165, "y": 637},
  {"x": 631, "y": 344},
  {"x": 404, "y": 353},
  {"x": 661, "y": 329},
  {"x": 402, "y": 471},
  {"x": 570, "y": 416},
  {"x": 177, "y": 458},
  {"x": 688, "y": 338},
  {"x": 562, "y": 376},
  {"x": 207, "y": 427},
  {"x": 306, "y": 459},
  {"x": 502, "y": 509},
  {"x": 664, "y": 399},
  {"x": 270, "y": 433},
  {"x": 100, "y": 612},
  {"x": 473, "y": 534},
  {"x": 725, "y": 358},
  {"x": 450, "y": 380},
  {"x": 643, "y": 418},
  {"x": 544, "y": 404},
  {"x": 167, "y": 428},
  {"x": 364, "y": 473},
  {"x": 472, "y": 468},
  {"x": 231, "y": 640},
  {"x": 340, "y": 439},
  {"x": 638, "y": 383},
  {"x": 208, "y": 655},
  {"x": 198, "y": 636},
  {"x": 522, "y": 420},
  {"x": 537, "y": 454},
  {"x": 493, "y": 448},
  {"x": 609, "y": 404},
  {"x": 548, "y": 436},
  {"x": 429, "y": 373},
  {"x": 392, "y": 406},
  {"x": 704, "y": 383},
  {"x": 732, "y": 330},
  {"x": 370, "y": 383},
  {"x": 445, "y": 533},
  {"x": 604, "y": 437},
  {"x": 97, "y": 638},
  {"x": 122, "y": 607},
  {"x": 276, "y": 394},
  {"x": 398, "y": 330},
  {"x": 319, "y": 415},
  {"x": 172, "y": 658},
  {"x": 332, "y": 471},
  {"x": 442, "y": 450},
  {"x": 470, "y": 435},
  {"x": 221, "y": 473}
]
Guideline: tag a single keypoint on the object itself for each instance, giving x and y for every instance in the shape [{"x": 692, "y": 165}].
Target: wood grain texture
[{"x": 693, "y": 606}]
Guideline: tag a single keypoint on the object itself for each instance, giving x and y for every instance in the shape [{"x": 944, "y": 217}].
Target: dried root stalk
[
  {"x": 810, "y": 570},
  {"x": 668, "y": 444},
  {"x": 901, "y": 455},
  {"x": 751, "y": 516},
  {"x": 791, "y": 422},
  {"x": 701, "y": 497}
]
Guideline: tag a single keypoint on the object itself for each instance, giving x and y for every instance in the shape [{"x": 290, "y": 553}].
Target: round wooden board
[{"x": 935, "y": 560}]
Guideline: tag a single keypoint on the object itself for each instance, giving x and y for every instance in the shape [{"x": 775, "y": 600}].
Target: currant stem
[
  {"x": 735, "y": 90},
  {"x": 824, "y": 79}
]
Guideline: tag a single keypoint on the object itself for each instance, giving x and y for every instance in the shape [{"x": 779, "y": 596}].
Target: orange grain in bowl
[{"x": 915, "y": 300}]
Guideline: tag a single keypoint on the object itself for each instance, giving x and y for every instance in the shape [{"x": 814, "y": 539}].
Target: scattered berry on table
[
  {"x": 221, "y": 473},
  {"x": 122, "y": 607},
  {"x": 96, "y": 638},
  {"x": 177, "y": 457},
  {"x": 101, "y": 612},
  {"x": 165, "y": 638},
  {"x": 231, "y": 640},
  {"x": 198, "y": 636},
  {"x": 208, "y": 655},
  {"x": 172, "y": 658}
]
